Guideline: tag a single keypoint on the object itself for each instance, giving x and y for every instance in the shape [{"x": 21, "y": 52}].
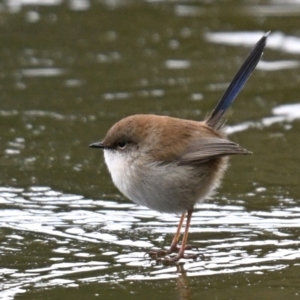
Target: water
[
  {"x": 68, "y": 71},
  {"x": 50, "y": 239}
]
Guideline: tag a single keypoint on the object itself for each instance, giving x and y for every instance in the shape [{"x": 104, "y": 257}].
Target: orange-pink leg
[
  {"x": 181, "y": 254},
  {"x": 159, "y": 254},
  {"x": 173, "y": 247}
]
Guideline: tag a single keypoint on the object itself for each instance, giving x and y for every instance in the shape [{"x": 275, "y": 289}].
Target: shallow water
[
  {"x": 50, "y": 239},
  {"x": 68, "y": 71}
]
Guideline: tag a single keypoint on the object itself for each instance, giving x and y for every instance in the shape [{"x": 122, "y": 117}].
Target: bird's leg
[
  {"x": 173, "y": 247},
  {"x": 181, "y": 254},
  {"x": 159, "y": 254}
]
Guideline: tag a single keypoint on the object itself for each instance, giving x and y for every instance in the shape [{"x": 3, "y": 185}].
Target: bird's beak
[{"x": 97, "y": 145}]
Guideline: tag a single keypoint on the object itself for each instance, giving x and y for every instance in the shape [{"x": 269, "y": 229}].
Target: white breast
[
  {"x": 122, "y": 171},
  {"x": 161, "y": 187}
]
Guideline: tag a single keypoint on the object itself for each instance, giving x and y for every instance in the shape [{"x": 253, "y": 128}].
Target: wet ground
[{"x": 68, "y": 71}]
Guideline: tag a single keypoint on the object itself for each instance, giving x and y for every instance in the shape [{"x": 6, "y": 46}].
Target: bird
[{"x": 170, "y": 164}]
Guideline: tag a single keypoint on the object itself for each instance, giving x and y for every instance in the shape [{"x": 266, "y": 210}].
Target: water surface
[{"x": 69, "y": 70}]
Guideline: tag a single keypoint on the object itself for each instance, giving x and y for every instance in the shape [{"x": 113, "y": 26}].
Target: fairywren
[{"x": 169, "y": 164}]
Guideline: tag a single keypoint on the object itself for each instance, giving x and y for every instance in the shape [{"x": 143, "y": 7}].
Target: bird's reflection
[{"x": 184, "y": 291}]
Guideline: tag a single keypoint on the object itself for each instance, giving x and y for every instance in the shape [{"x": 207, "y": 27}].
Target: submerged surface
[{"x": 69, "y": 70}]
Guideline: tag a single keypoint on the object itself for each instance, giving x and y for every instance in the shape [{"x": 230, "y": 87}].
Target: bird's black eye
[{"x": 122, "y": 144}]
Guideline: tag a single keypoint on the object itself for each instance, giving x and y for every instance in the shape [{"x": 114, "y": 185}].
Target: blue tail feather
[{"x": 238, "y": 82}]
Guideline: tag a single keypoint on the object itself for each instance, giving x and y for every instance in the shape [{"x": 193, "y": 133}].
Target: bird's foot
[
  {"x": 163, "y": 255},
  {"x": 173, "y": 249},
  {"x": 172, "y": 259},
  {"x": 177, "y": 249}
]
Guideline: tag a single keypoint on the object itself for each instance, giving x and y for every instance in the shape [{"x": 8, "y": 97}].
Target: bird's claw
[
  {"x": 163, "y": 255},
  {"x": 172, "y": 259}
]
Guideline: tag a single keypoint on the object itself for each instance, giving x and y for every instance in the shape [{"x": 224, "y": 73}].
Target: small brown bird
[{"x": 169, "y": 164}]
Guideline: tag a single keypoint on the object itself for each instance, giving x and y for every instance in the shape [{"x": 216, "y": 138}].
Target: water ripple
[{"x": 69, "y": 238}]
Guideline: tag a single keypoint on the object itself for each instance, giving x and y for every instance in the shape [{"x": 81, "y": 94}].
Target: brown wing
[{"x": 209, "y": 148}]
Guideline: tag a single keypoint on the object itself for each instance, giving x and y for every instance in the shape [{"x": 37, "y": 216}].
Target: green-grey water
[{"x": 71, "y": 69}]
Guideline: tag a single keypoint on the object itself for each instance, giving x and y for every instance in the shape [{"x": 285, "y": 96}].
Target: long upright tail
[{"x": 238, "y": 82}]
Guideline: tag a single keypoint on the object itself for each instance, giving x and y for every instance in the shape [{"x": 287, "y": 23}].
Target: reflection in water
[
  {"x": 276, "y": 41},
  {"x": 282, "y": 114},
  {"x": 39, "y": 72},
  {"x": 182, "y": 284},
  {"x": 278, "y": 9},
  {"x": 66, "y": 239},
  {"x": 279, "y": 65}
]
